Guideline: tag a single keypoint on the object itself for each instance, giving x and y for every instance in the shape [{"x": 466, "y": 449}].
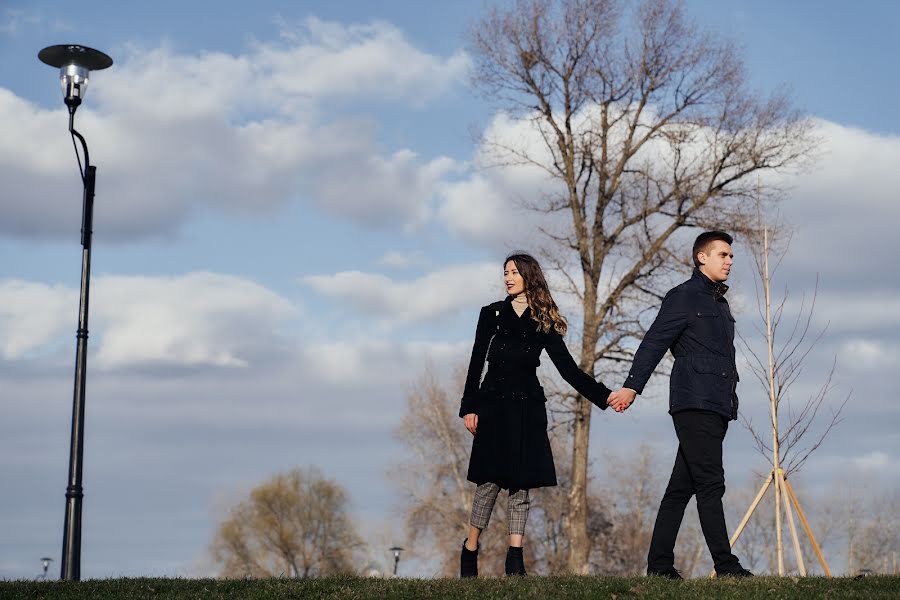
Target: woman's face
[{"x": 515, "y": 285}]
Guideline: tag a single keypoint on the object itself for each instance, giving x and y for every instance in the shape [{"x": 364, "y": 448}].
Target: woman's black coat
[{"x": 511, "y": 447}]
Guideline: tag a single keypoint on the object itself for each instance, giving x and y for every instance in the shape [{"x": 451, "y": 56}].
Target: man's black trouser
[{"x": 698, "y": 470}]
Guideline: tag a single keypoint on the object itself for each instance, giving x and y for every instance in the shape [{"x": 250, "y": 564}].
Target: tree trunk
[
  {"x": 577, "y": 524},
  {"x": 579, "y": 544}
]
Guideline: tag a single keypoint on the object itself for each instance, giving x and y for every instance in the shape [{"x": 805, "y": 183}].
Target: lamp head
[{"x": 75, "y": 64}]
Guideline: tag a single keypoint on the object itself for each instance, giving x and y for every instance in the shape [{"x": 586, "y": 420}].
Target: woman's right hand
[{"x": 471, "y": 421}]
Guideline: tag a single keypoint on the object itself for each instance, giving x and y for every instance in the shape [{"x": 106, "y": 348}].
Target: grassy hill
[{"x": 351, "y": 588}]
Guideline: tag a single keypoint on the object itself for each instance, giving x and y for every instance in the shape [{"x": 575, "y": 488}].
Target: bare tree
[
  {"x": 875, "y": 543},
  {"x": 783, "y": 442},
  {"x": 867, "y": 520},
  {"x": 294, "y": 524},
  {"x": 790, "y": 344},
  {"x": 634, "y": 493},
  {"x": 548, "y": 530},
  {"x": 646, "y": 125}
]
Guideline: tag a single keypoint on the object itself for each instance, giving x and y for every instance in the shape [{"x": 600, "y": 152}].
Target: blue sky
[{"x": 290, "y": 218}]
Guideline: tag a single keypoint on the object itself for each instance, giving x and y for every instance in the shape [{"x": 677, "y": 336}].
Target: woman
[{"x": 506, "y": 412}]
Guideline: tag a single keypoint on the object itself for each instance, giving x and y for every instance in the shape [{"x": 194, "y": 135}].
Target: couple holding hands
[{"x": 505, "y": 411}]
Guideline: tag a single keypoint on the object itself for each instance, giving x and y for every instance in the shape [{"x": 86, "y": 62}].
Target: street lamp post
[
  {"x": 45, "y": 561},
  {"x": 396, "y": 550},
  {"x": 75, "y": 64}
]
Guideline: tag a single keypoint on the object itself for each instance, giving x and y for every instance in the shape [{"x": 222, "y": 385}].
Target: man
[{"x": 695, "y": 323}]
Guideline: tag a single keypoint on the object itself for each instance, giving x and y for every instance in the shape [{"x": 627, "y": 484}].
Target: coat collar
[
  {"x": 718, "y": 289},
  {"x": 510, "y": 313}
]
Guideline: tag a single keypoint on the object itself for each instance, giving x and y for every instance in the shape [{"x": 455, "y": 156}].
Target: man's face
[{"x": 716, "y": 261}]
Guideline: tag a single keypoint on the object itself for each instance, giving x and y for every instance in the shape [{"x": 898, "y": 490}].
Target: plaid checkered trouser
[{"x": 516, "y": 508}]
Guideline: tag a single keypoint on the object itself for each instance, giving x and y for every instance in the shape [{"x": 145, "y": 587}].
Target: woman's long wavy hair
[{"x": 543, "y": 308}]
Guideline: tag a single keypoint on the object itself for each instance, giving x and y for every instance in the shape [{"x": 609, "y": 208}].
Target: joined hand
[{"x": 621, "y": 399}]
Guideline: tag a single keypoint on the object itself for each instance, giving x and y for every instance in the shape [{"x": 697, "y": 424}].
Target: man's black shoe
[
  {"x": 737, "y": 573},
  {"x": 670, "y": 573}
]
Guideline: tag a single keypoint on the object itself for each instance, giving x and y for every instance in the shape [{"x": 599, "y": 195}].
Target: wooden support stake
[
  {"x": 806, "y": 526},
  {"x": 779, "y": 525},
  {"x": 773, "y": 402},
  {"x": 790, "y": 517},
  {"x": 740, "y": 528},
  {"x": 753, "y": 505}
]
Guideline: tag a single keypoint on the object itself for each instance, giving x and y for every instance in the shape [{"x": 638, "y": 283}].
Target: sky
[{"x": 291, "y": 221}]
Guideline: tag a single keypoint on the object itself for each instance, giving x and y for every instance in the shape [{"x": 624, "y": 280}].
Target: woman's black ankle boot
[
  {"x": 468, "y": 561},
  {"x": 515, "y": 562}
]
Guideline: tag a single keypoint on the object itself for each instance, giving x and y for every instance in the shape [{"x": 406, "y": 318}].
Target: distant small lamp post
[
  {"x": 46, "y": 562},
  {"x": 396, "y": 550},
  {"x": 75, "y": 64}
]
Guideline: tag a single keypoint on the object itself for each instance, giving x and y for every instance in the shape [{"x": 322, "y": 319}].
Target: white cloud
[
  {"x": 32, "y": 314},
  {"x": 489, "y": 207},
  {"x": 845, "y": 209},
  {"x": 862, "y": 354},
  {"x": 476, "y": 209},
  {"x": 402, "y": 260},
  {"x": 439, "y": 293},
  {"x": 872, "y": 460},
  {"x": 174, "y": 133},
  {"x": 512, "y": 176},
  {"x": 842, "y": 209},
  {"x": 364, "y": 363},
  {"x": 394, "y": 191},
  {"x": 202, "y": 320},
  {"x": 316, "y": 62},
  {"x": 198, "y": 319},
  {"x": 192, "y": 320},
  {"x": 13, "y": 21},
  {"x": 875, "y": 308},
  {"x": 326, "y": 59}
]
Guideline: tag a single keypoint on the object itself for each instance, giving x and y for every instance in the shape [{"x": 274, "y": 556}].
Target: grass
[{"x": 352, "y": 588}]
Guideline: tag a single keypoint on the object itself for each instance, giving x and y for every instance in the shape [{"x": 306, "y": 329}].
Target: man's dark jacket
[{"x": 695, "y": 323}]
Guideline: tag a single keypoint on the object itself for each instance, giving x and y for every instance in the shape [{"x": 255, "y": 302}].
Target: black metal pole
[
  {"x": 71, "y": 550},
  {"x": 75, "y": 64}
]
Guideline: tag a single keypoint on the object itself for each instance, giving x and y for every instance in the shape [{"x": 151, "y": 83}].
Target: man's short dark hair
[{"x": 701, "y": 244}]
